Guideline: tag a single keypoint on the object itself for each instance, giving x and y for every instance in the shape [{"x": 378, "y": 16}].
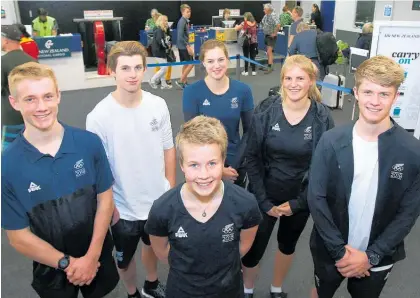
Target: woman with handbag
[
  {"x": 248, "y": 39},
  {"x": 161, "y": 49}
]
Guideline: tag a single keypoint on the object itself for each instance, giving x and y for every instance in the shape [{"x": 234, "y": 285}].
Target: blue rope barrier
[
  {"x": 251, "y": 61},
  {"x": 334, "y": 87}
]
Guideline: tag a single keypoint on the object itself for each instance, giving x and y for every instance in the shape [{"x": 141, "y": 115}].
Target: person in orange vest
[{"x": 28, "y": 45}]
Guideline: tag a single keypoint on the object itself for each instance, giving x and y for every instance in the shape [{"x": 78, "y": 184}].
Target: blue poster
[{"x": 54, "y": 47}]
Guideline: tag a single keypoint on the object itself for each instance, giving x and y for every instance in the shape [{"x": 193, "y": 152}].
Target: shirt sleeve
[
  {"x": 94, "y": 126},
  {"x": 104, "y": 178},
  {"x": 248, "y": 100},
  {"x": 253, "y": 215},
  {"x": 166, "y": 128},
  {"x": 293, "y": 29},
  {"x": 189, "y": 104},
  {"x": 157, "y": 223},
  {"x": 55, "y": 25},
  {"x": 293, "y": 49},
  {"x": 13, "y": 213}
]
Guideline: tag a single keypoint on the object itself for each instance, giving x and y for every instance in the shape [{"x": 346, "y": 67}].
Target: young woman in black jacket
[
  {"x": 284, "y": 133},
  {"x": 162, "y": 49}
]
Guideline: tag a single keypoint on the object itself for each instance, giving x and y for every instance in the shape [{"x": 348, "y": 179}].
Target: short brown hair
[
  {"x": 225, "y": 11},
  {"x": 184, "y": 7},
  {"x": 298, "y": 10},
  {"x": 249, "y": 17},
  {"x": 210, "y": 45},
  {"x": 285, "y": 8},
  {"x": 31, "y": 71},
  {"x": 202, "y": 130},
  {"x": 125, "y": 48},
  {"x": 380, "y": 70}
]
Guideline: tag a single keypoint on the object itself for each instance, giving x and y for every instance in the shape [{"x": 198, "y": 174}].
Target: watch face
[
  {"x": 64, "y": 262},
  {"x": 374, "y": 259}
]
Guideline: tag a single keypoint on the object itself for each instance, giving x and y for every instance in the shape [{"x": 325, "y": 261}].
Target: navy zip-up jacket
[
  {"x": 265, "y": 116},
  {"x": 397, "y": 202}
]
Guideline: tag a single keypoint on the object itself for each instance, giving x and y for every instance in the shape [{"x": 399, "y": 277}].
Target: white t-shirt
[
  {"x": 134, "y": 140},
  {"x": 363, "y": 191}
]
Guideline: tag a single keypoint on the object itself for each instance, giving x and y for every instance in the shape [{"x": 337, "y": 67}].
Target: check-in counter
[
  {"x": 281, "y": 46},
  {"x": 223, "y": 34}
]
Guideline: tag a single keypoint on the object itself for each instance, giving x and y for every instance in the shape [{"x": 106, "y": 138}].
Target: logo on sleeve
[
  {"x": 307, "y": 133},
  {"x": 397, "y": 171},
  {"x": 234, "y": 103},
  {"x": 79, "y": 168},
  {"x": 154, "y": 125},
  {"x": 33, "y": 187},
  {"x": 228, "y": 234},
  {"x": 206, "y": 102},
  {"x": 276, "y": 127},
  {"x": 181, "y": 233}
]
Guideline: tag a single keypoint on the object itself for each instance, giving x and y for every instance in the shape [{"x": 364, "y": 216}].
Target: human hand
[
  {"x": 284, "y": 209},
  {"x": 230, "y": 174},
  {"x": 355, "y": 263},
  {"x": 82, "y": 271},
  {"x": 274, "y": 34},
  {"x": 273, "y": 212}
]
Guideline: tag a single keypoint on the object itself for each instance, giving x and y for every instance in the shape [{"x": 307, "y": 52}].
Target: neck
[
  {"x": 12, "y": 47},
  {"x": 206, "y": 199},
  {"x": 127, "y": 99},
  {"x": 39, "y": 138},
  {"x": 216, "y": 85},
  {"x": 297, "y": 106},
  {"x": 370, "y": 132}
]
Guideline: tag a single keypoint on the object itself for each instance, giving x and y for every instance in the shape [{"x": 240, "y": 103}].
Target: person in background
[
  {"x": 365, "y": 38},
  {"x": 28, "y": 45},
  {"x": 44, "y": 25},
  {"x": 204, "y": 226},
  {"x": 220, "y": 97},
  {"x": 249, "y": 29},
  {"x": 271, "y": 25},
  {"x": 226, "y": 14},
  {"x": 286, "y": 17},
  {"x": 304, "y": 43},
  {"x": 151, "y": 23},
  {"x": 11, "y": 120},
  {"x": 283, "y": 136},
  {"x": 297, "y": 14},
  {"x": 316, "y": 18},
  {"x": 364, "y": 189},
  {"x": 186, "y": 51},
  {"x": 56, "y": 194},
  {"x": 161, "y": 48}
]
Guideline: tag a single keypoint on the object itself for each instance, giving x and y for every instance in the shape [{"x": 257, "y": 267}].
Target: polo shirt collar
[{"x": 67, "y": 145}]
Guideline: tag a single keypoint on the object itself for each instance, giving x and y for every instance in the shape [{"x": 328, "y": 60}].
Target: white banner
[{"x": 401, "y": 42}]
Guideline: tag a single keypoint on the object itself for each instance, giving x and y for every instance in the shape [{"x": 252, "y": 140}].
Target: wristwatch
[
  {"x": 63, "y": 263},
  {"x": 373, "y": 258}
]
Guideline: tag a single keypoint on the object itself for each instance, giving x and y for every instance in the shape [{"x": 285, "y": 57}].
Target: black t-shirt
[
  {"x": 288, "y": 152},
  {"x": 316, "y": 17},
  {"x": 204, "y": 258},
  {"x": 10, "y": 60}
]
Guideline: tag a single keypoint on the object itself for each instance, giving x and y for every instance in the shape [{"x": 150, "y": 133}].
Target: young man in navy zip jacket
[{"x": 364, "y": 189}]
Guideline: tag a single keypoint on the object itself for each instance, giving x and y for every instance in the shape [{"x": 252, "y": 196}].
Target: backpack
[{"x": 327, "y": 48}]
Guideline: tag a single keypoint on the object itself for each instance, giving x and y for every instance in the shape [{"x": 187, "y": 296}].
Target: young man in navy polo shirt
[{"x": 56, "y": 194}]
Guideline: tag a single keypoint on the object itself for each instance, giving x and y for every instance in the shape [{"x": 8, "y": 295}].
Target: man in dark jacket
[{"x": 364, "y": 189}]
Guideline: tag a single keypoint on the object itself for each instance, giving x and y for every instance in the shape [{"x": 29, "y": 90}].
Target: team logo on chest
[
  {"x": 307, "y": 133},
  {"x": 33, "y": 187},
  {"x": 154, "y": 125},
  {"x": 397, "y": 171},
  {"x": 228, "y": 233},
  {"x": 181, "y": 233},
  {"x": 79, "y": 168},
  {"x": 234, "y": 103}
]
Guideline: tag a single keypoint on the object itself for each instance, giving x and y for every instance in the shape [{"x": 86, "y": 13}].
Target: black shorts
[
  {"x": 126, "y": 236},
  {"x": 270, "y": 41},
  {"x": 105, "y": 281},
  {"x": 184, "y": 55}
]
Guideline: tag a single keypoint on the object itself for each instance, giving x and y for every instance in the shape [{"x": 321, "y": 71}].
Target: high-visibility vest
[{"x": 43, "y": 28}]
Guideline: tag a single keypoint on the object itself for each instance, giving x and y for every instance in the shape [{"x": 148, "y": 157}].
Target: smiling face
[
  {"x": 296, "y": 84},
  {"x": 375, "y": 101},
  {"x": 129, "y": 73},
  {"x": 37, "y": 100},
  {"x": 203, "y": 168},
  {"x": 216, "y": 63}
]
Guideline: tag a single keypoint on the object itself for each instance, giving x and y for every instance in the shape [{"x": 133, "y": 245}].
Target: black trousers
[{"x": 250, "y": 51}]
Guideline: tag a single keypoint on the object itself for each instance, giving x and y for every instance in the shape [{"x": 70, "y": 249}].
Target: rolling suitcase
[{"x": 330, "y": 97}]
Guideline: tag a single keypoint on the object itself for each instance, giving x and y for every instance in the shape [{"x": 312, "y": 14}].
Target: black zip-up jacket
[
  {"x": 397, "y": 202},
  {"x": 161, "y": 43},
  {"x": 266, "y": 115}
]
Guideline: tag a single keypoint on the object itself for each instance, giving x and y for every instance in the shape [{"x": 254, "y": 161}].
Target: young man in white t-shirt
[
  {"x": 135, "y": 128},
  {"x": 364, "y": 189}
]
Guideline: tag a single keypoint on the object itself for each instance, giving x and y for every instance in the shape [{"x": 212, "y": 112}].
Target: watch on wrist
[
  {"x": 373, "y": 258},
  {"x": 64, "y": 262}
]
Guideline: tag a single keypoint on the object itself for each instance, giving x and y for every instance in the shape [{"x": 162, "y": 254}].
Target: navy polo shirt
[{"x": 39, "y": 190}]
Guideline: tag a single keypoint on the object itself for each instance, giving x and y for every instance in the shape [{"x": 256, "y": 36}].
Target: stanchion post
[{"x": 238, "y": 67}]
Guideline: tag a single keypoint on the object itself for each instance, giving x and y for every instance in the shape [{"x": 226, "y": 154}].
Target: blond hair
[
  {"x": 226, "y": 11},
  {"x": 125, "y": 48},
  {"x": 307, "y": 66},
  {"x": 302, "y": 27},
  {"x": 380, "y": 70},
  {"x": 30, "y": 71},
  {"x": 160, "y": 20},
  {"x": 210, "y": 45},
  {"x": 249, "y": 17},
  {"x": 184, "y": 7},
  {"x": 202, "y": 130},
  {"x": 367, "y": 28},
  {"x": 298, "y": 10}
]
